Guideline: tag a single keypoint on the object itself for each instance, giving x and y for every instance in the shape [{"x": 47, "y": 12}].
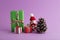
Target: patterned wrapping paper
[{"x": 18, "y": 30}]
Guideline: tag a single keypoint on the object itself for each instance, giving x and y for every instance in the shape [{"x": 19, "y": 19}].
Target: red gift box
[
  {"x": 18, "y": 29},
  {"x": 27, "y": 29}
]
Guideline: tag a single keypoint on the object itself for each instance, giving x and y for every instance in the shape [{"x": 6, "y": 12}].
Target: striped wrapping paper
[{"x": 18, "y": 30}]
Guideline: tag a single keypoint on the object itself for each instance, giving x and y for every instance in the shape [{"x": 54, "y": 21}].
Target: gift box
[
  {"x": 17, "y": 18},
  {"x": 18, "y": 30},
  {"x": 21, "y": 19},
  {"x": 13, "y": 18},
  {"x": 27, "y": 29}
]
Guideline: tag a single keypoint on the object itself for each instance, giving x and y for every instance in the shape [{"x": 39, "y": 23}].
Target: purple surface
[{"x": 48, "y": 9}]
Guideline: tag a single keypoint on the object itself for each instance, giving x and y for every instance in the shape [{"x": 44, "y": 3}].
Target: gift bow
[{"x": 15, "y": 21}]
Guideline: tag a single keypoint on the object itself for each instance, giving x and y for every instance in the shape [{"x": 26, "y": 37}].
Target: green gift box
[
  {"x": 21, "y": 19},
  {"x": 17, "y": 19},
  {"x": 13, "y": 18}
]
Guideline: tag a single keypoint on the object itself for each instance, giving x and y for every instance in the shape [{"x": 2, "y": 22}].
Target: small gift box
[
  {"x": 27, "y": 29},
  {"x": 18, "y": 29}
]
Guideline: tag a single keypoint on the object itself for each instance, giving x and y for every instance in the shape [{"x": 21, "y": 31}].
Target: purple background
[{"x": 48, "y": 9}]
